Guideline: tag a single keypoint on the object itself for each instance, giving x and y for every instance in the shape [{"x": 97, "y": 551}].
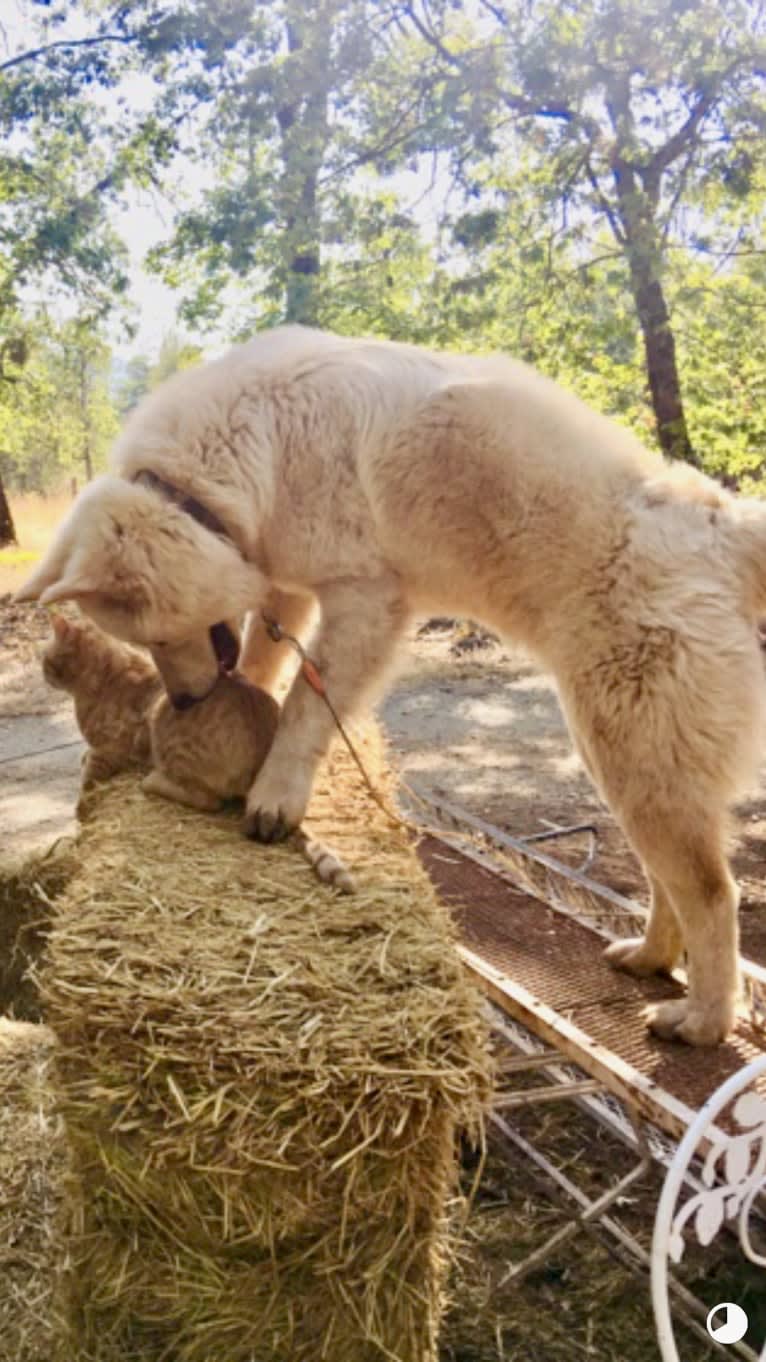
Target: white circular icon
[{"x": 727, "y": 1323}]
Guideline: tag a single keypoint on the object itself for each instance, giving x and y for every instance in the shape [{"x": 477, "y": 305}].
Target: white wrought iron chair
[{"x": 731, "y": 1177}]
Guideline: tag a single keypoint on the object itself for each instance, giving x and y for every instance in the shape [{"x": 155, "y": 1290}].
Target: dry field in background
[{"x": 35, "y": 518}]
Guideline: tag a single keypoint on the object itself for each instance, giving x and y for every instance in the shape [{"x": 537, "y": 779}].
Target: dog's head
[{"x": 146, "y": 572}]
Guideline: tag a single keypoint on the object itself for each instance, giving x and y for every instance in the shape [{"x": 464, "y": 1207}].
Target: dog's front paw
[
  {"x": 264, "y": 826},
  {"x": 689, "y": 1022},
  {"x": 634, "y": 956},
  {"x": 276, "y": 805}
]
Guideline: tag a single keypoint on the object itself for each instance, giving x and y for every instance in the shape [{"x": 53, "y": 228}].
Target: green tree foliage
[
  {"x": 175, "y": 354},
  {"x": 55, "y": 168},
  {"x": 138, "y": 375},
  {"x": 638, "y": 110},
  {"x": 579, "y": 182},
  {"x": 513, "y": 285},
  {"x": 132, "y": 383},
  {"x": 312, "y": 99},
  {"x": 722, "y": 350},
  {"x": 75, "y": 134},
  {"x": 58, "y": 419}
]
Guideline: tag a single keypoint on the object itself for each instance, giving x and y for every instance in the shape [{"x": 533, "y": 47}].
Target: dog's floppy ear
[
  {"x": 140, "y": 566},
  {"x": 78, "y": 563},
  {"x": 45, "y": 577},
  {"x": 51, "y": 582},
  {"x": 74, "y": 588},
  {"x": 55, "y": 577}
]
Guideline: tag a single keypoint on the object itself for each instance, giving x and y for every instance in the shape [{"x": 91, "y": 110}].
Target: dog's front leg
[
  {"x": 361, "y": 623},
  {"x": 262, "y": 660}
]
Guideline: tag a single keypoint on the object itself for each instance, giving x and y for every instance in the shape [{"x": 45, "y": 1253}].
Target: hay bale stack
[
  {"x": 262, "y": 1082},
  {"x": 33, "y": 1163},
  {"x": 26, "y": 891}
]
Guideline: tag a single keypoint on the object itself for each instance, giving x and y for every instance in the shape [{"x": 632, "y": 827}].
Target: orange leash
[{"x": 312, "y": 675}]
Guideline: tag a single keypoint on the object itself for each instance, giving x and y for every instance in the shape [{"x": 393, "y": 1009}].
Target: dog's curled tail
[{"x": 328, "y": 866}]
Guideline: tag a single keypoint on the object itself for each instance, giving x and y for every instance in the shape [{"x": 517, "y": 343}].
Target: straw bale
[
  {"x": 26, "y": 890},
  {"x": 33, "y": 1163},
  {"x": 262, "y": 1082}
]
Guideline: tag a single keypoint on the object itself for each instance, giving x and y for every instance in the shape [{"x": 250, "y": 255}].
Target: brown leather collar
[{"x": 196, "y": 509}]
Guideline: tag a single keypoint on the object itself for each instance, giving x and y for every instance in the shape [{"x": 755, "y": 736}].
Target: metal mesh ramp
[
  {"x": 571, "y": 1028},
  {"x": 547, "y": 970}
]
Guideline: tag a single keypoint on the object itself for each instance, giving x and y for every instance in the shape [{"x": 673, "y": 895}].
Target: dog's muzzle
[{"x": 226, "y": 646}]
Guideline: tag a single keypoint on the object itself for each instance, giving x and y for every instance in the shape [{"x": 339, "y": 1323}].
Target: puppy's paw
[
  {"x": 634, "y": 956},
  {"x": 686, "y": 1021},
  {"x": 276, "y": 805}
]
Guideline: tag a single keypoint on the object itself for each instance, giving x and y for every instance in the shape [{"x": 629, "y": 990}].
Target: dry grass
[
  {"x": 35, "y": 518},
  {"x": 262, "y": 1083}
]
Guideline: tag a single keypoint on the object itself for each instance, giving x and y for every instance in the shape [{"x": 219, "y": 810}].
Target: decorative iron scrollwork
[{"x": 733, "y": 1174}]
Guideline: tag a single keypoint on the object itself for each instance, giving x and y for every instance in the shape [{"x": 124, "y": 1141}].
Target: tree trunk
[
  {"x": 7, "y": 527},
  {"x": 301, "y": 301},
  {"x": 85, "y": 416},
  {"x": 638, "y": 238},
  {"x": 302, "y": 122},
  {"x": 661, "y": 366}
]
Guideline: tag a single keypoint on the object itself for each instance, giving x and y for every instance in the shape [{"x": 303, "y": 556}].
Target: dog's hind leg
[
  {"x": 672, "y": 809},
  {"x": 684, "y": 851},
  {"x": 669, "y": 722},
  {"x": 661, "y": 948}
]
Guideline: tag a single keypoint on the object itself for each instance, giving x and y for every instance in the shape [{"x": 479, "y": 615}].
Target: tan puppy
[{"x": 381, "y": 480}]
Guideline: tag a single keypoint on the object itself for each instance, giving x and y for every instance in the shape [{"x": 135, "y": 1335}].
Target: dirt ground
[
  {"x": 40, "y": 747},
  {"x": 480, "y": 725}
]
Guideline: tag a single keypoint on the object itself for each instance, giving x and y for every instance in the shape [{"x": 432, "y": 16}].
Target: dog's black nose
[{"x": 183, "y": 701}]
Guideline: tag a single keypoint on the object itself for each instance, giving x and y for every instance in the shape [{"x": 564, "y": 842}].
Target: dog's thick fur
[{"x": 381, "y": 480}]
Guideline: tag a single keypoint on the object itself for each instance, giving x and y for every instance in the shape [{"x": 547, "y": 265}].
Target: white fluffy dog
[{"x": 382, "y": 480}]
